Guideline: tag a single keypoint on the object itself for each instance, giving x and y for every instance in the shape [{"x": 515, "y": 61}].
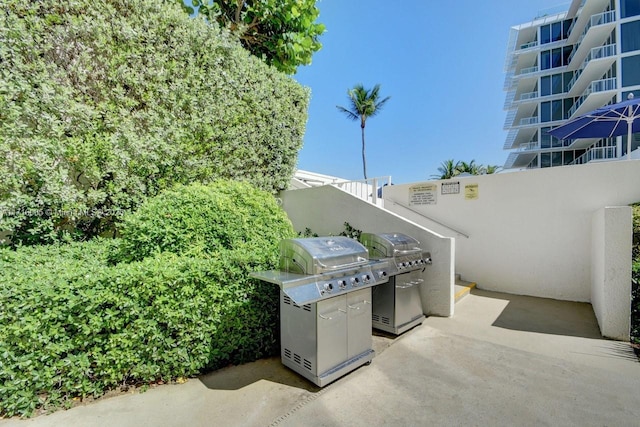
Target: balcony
[
  {"x": 595, "y": 33},
  {"x": 529, "y": 95},
  {"x": 596, "y": 87},
  {"x": 529, "y": 70},
  {"x": 530, "y": 146},
  {"x": 528, "y": 121},
  {"x": 597, "y": 154},
  {"x": 529, "y": 45},
  {"x": 594, "y": 65}
]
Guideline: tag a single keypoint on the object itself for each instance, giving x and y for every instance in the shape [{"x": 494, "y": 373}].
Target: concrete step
[{"x": 462, "y": 288}]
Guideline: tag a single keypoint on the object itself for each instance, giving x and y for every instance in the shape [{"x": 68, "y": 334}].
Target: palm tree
[
  {"x": 489, "y": 169},
  {"x": 471, "y": 168},
  {"x": 364, "y": 104},
  {"x": 448, "y": 169}
]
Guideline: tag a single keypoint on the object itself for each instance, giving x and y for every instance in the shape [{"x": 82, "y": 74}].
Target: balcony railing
[
  {"x": 528, "y": 121},
  {"x": 597, "y": 86},
  {"x": 530, "y": 95},
  {"x": 529, "y": 45},
  {"x": 365, "y": 189},
  {"x": 529, "y": 70},
  {"x": 529, "y": 146},
  {"x": 597, "y": 153}
]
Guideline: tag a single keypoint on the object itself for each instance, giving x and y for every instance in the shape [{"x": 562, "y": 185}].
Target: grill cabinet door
[
  {"x": 408, "y": 303},
  {"x": 359, "y": 322},
  {"x": 332, "y": 332}
]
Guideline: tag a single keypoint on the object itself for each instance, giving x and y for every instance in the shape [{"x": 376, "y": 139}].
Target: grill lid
[
  {"x": 389, "y": 245},
  {"x": 317, "y": 268},
  {"x": 319, "y": 255}
]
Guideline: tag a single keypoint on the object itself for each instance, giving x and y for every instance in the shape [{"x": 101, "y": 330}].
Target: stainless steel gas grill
[
  {"x": 397, "y": 306},
  {"x": 325, "y": 305}
]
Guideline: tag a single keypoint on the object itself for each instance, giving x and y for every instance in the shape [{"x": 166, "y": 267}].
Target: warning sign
[
  {"x": 424, "y": 194},
  {"x": 471, "y": 191}
]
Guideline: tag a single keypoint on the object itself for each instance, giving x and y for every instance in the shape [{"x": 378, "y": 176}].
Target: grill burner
[
  {"x": 325, "y": 305},
  {"x": 397, "y": 306}
]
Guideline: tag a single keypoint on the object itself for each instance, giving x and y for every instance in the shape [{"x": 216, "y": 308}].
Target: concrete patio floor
[{"x": 501, "y": 360}]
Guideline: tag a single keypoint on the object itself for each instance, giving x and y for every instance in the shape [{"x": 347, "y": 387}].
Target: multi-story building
[{"x": 562, "y": 65}]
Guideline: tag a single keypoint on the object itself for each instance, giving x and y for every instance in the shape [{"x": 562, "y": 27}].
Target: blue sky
[{"x": 442, "y": 63}]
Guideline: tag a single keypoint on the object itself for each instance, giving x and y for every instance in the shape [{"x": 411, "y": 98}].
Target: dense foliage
[
  {"x": 283, "y": 33},
  {"x": 635, "y": 297},
  {"x": 103, "y": 104},
  {"x": 449, "y": 169},
  {"x": 74, "y": 324}
]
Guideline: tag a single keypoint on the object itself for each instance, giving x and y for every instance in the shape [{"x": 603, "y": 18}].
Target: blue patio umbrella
[{"x": 608, "y": 121}]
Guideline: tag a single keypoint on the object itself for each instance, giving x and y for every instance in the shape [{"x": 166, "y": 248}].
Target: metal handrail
[{"x": 430, "y": 219}]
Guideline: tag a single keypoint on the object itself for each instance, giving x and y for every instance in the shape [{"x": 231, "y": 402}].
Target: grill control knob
[
  {"x": 328, "y": 287},
  {"x": 342, "y": 284}
]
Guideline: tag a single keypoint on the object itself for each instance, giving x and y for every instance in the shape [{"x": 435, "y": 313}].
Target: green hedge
[
  {"x": 74, "y": 324},
  {"x": 103, "y": 104},
  {"x": 635, "y": 289}
]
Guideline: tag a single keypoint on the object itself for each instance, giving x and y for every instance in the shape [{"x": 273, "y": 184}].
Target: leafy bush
[
  {"x": 635, "y": 281},
  {"x": 73, "y": 324},
  {"x": 200, "y": 220},
  {"x": 105, "y": 103}
]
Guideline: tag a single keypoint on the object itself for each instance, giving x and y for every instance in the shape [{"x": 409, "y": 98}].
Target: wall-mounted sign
[
  {"x": 423, "y": 194},
  {"x": 450, "y": 187},
  {"x": 471, "y": 191}
]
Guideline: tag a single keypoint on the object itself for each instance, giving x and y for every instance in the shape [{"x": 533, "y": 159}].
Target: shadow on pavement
[
  {"x": 237, "y": 377},
  {"x": 545, "y": 316}
]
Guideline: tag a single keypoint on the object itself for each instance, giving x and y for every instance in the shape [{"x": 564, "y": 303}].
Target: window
[
  {"x": 545, "y": 34},
  {"x": 629, "y": 8},
  {"x": 567, "y": 77},
  {"x": 545, "y": 112},
  {"x": 556, "y": 58},
  {"x": 545, "y": 160},
  {"x": 630, "y": 36},
  {"x": 545, "y": 60},
  {"x": 566, "y": 53},
  {"x": 631, "y": 71},
  {"x": 556, "y": 31},
  {"x": 568, "y": 157},
  {"x": 551, "y": 111},
  {"x": 545, "y": 86},
  {"x": 566, "y": 24},
  {"x": 556, "y": 110},
  {"x": 556, "y": 84},
  {"x": 556, "y": 158},
  {"x": 546, "y": 138}
]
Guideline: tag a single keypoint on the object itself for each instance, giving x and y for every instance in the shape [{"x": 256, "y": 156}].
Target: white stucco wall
[
  {"x": 325, "y": 210},
  {"x": 529, "y": 232},
  {"x": 611, "y": 270}
]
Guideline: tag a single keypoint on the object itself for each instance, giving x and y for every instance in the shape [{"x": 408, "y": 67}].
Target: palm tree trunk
[{"x": 364, "y": 160}]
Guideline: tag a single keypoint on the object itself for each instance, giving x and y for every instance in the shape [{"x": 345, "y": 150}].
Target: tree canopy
[
  {"x": 103, "y": 104},
  {"x": 283, "y": 33}
]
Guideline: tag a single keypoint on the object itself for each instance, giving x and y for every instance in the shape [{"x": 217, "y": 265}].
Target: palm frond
[{"x": 350, "y": 114}]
